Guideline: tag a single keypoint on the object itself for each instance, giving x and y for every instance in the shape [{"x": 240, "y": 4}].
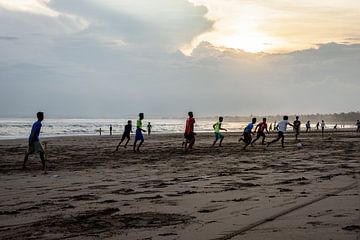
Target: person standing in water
[
  {"x": 149, "y": 127},
  {"x": 111, "y": 130},
  {"x": 218, "y": 135}
]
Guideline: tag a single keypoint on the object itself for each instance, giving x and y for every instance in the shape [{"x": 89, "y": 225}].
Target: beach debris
[
  {"x": 352, "y": 228},
  {"x": 285, "y": 190}
]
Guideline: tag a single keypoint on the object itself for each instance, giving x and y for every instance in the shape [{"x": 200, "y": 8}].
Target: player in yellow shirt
[
  {"x": 217, "y": 127},
  {"x": 138, "y": 134}
]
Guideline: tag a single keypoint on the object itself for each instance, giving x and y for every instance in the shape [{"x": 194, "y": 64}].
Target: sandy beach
[{"x": 165, "y": 193}]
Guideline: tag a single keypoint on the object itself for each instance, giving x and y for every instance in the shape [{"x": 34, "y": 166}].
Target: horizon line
[{"x": 154, "y": 116}]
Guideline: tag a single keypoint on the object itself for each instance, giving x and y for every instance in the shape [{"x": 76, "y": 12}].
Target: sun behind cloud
[{"x": 277, "y": 27}]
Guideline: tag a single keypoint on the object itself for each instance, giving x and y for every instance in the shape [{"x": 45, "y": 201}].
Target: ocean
[{"x": 14, "y": 128}]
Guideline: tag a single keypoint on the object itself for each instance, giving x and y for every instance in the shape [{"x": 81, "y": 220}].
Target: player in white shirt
[
  {"x": 322, "y": 127},
  {"x": 282, "y": 125}
]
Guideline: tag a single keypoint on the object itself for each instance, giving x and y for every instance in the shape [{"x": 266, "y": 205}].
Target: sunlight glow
[
  {"x": 277, "y": 27},
  {"x": 237, "y": 29},
  {"x": 31, "y": 6},
  {"x": 251, "y": 42},
  {"x": 244, "y": 36}
]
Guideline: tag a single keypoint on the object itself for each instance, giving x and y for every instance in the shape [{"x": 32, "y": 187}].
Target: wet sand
[{"x": 165, "y": 193}]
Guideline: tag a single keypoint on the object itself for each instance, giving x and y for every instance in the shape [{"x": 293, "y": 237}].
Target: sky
[{"x": 113, "y": 58}]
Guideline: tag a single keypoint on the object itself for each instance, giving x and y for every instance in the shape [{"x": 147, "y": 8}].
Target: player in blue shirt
[
  {"x": 247, "y": 133},
  {"x": 34, "y": 141},
  {"x": 126, "y": 134}
]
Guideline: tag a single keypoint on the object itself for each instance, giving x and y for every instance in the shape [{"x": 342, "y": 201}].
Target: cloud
[
  {"x": 8, "y": 38},
  {"x": 126, "y": 60},
  {"x": 162, "y": 25},
  {"x": 211, "y": 82}
]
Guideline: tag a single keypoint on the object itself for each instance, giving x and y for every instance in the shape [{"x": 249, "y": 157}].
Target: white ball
[{"x": 299, "y": 145}]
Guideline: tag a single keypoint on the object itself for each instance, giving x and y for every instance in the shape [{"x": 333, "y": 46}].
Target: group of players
[
  {"x": 246, "y": 137},
  {"x": 189, "y": 135}
]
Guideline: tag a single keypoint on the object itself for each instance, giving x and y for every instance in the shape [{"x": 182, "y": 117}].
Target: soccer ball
[{"x": 299, "y": 146}]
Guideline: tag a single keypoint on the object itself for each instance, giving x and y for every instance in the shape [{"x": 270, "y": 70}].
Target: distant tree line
[{"x": 349, "y": 117}]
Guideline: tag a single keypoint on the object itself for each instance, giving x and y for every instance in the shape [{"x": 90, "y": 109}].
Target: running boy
[
  {"x": 138, "y": 134},
  {"x": 281, "y": 131},
  {"x": 247, "y": 133},
  {"x": 189, "y": 134},
  {"x": 308, "y": 126},
  {"x": 34, "y": 141},
  {"x": 261, "y": 127},
  {"x": 126, "y": 134},
  {"x": 218, "y": 135}
]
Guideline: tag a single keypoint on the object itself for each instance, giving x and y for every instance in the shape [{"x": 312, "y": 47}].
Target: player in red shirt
[
  {"x": 189, "y": 134},
  {"x": 261, "y": 127}
]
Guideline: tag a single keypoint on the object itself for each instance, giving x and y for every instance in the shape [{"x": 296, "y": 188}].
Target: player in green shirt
[{"x": 217, "y": 127}]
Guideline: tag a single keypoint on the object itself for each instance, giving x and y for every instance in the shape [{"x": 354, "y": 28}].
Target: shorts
[
  {"x": 35, "y": 147},
  {"x": 125, "y": 136},
  {"x": 189, "y": 136},
  {"x": 260, "y": 134},
  {"x": 247, "y": 137},
  {"x": 297, "y": 131},
  {"x": 218, "y": 136},
  {"x": 280, "y": 134},
  {"x": 139, "y": 135}
]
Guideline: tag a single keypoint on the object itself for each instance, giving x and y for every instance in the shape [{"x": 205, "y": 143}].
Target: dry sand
[{"x": 164, "y": 193}]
